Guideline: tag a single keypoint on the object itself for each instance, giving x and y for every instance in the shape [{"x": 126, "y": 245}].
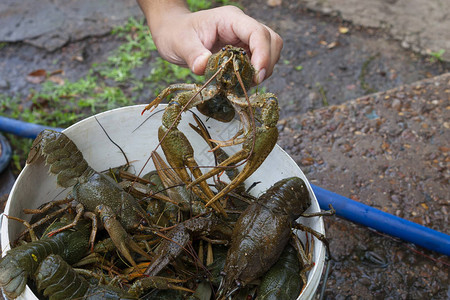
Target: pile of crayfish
[{"x": 161, "y": 235}]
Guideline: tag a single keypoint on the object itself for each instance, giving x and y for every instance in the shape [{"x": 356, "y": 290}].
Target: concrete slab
[
  {"x": 420, "y": 25},
  {"x": 51, "y": 24}
]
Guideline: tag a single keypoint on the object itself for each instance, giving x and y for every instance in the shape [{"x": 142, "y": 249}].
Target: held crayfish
[{"x": 229, "y": 75}]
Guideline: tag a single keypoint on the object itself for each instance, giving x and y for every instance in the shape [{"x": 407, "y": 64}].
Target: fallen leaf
[
  {"x": 354, "y": 197},
  {"x": 343, "y": 29},
  {"x": 417, "y": 219},
  {"x": 56, "y": 79},
  {"x": 444, "y": 149},
  {"x": 37, "y": 76},
  {"x": 78, "y": 58},
  {"x": 59, "y": 71},
  {"x": 347, "y": 147},
  {"x": 332, "y": 45},
  {"x": 307, "y": 161},
  {"x": 424, "y": 205},
  {"x": 273, "y": 3},
  {"x": 311, "y": 53}
]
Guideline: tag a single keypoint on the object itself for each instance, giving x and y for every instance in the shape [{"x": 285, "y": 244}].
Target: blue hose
[
  {"x": 23, "y": 129},
  {"x": 383, "y": 222},
  {"x": 345, "y": 207}
]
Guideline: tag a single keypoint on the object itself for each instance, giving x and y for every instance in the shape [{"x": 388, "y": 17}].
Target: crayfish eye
[
  {"x": 223, "y": 49},
  {"x": 244, "y": 52}
]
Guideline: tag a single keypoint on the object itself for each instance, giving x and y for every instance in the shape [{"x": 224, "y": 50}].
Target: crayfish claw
[
  {"x": 118, "y": 235},
  {"x": 152, "y": 105}
]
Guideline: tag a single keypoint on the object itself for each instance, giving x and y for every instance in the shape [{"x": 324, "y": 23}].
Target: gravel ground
[{"x": 388, "y": 150}]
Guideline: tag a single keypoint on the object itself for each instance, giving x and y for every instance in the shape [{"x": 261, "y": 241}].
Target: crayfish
[
  {"x": 94, "y": 191},
  {"x": 229, "y": 75},
  {"x": 21, "y": 262},
  {"x": 263, "y": 231}
]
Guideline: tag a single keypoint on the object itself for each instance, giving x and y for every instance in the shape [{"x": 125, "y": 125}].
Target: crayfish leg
[
  {"x": 27, "y": 225},
  {"x": 330, "y": 212},
  {"x": 156, "y": 282},
  {"x": 93, "y": 218},
  {"x": 255, "y": 153},
  {"x": 166, "y": 92},
  {"x": 48, "y": 216},
  {"x": 193, "y": 166},
  {"x": 79, "y": 210},
  {"x": 321, "y": 237},
  {"x": 304, "y": 258},
  {"x": 237, "y": 157}
]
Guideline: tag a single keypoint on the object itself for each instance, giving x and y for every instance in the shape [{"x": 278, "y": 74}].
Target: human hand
[{"x": 187, "y": 39}]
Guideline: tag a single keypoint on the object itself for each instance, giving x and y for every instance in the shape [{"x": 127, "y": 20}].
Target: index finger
[{"x": 265, "y": 46}]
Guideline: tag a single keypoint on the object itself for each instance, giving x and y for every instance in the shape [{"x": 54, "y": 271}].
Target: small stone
[
  {"x": 365, "y": 281},
  {"x": 396, "y": 104},
  {"x": 405, "y": 44},
  {"x": 395, "y": 198},
  {"x": 4, "y": 84}
]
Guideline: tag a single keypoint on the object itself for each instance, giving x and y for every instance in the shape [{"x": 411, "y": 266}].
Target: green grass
[
  {"x": 364, "y": 72},
  {"x": 195, "y": 5},
  {"x": 323, "y": 93},
  {"x": 107, "y": 85},
  {"x": 436, "y": 56}
]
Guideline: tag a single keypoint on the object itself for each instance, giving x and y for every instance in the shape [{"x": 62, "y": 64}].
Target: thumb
[
  {"x": 198, "y": 66},
  {"x": 194, "y": 53}
]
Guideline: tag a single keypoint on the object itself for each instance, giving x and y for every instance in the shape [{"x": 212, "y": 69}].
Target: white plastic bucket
[{"x": 34, "y": 186}]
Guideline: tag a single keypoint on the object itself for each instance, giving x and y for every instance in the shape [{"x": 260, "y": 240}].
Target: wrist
[{"x": 161, "y": 13}]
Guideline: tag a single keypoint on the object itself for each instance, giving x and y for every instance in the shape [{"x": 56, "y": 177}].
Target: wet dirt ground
[
  {"x": 320, "y": 69},
  {"x": 389, "y": 151},
  {"x": 335, "y": 67}
]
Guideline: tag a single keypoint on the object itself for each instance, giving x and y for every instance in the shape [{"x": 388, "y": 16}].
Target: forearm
[{"x": 156, "y": 11}]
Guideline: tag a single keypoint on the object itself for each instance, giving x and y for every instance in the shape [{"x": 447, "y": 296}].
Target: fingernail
[
  {"x": 261, "y": 76},
  {"x": 199, "y": 61}
]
